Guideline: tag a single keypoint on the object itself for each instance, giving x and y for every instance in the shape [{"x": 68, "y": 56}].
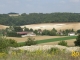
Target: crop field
[
  {"x": 20, "y": 39},
  {"x": 49, "y": 26},
  {"x": 68, "y": 38}
]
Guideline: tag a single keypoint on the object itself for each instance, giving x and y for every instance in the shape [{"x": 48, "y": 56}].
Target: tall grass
[{"x": 51, "y": 54}]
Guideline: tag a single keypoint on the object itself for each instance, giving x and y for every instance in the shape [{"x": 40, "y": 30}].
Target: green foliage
[
  {"x": 18, "y": 29},
  {"x": 78, "y": 31},
  {"x": 34, "y": 18},
  {"x": 26, "y": 29},
  {"x": 30, "y": 41},
  {"x": 54, "y": 51},
  {"x": 63, "y": 43},
  {"x": 6, "y": 43},
  {"x": 45, "y": 32},
  {"x": 12, "y": 43},
  {"x": 13, "y": 34},
  {"x": 3, "y": 44},
  {"x": 77, "y": 42}
]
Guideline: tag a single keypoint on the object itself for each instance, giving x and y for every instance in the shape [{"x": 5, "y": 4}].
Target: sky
[{"x": 39, "y": 6}]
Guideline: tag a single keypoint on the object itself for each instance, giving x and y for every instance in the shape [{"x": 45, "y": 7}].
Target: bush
[
  {"x": 13, "y": 34},
  {"x": 6, "y": 43},
  {"x": 63, "y": 43},
  {"x": 77, "y": 42},
  {"x": 30, "y": 41},
  {"x": 12, "y": 43}
]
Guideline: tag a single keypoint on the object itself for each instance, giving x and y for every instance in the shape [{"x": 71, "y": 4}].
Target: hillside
[
  {"x": 57, "y": 26},
  {"x": 3, "y": 27},
  {"x": 36, "y": 18}
]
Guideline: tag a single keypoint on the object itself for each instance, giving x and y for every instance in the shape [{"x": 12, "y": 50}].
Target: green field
[
  {"x": 56, "y": 39},
  {"x": 52, "y": 40}
]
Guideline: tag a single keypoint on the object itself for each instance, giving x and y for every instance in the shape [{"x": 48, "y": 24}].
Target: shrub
[
  {"x": 53, "y": 50},
  {"x": 63, "y": 43},
  {"x": 30, "y": 41},
  {"x": 77, "y": 42},
  {"x": 13, "y": 34},
  {"x": 12, "y": 43},
  {"x": 5, "y": 43}
]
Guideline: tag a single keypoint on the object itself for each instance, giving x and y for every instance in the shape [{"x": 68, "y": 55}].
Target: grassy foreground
[
  {"x": 52, "y": 40},
  {"x": 51, "y": 54}
]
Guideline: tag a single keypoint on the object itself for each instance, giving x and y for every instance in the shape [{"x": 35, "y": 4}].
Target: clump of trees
[
  {"x": 34, "y": 18},
  {"x": 30, "y": 41},
  {"x": 63, "y": 43},
  {"x": 77, "y": 42},
  {"x": 6, "y": 43}
]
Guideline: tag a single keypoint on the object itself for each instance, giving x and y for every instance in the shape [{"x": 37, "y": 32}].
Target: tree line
[
  {"x": 12, "y": 31},
  {"x": 34, "y": 18}
]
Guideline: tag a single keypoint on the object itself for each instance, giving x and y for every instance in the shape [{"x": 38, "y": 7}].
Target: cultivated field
[
  {"x": 3, "y": 27},
  {"x": 19, "y": 39},
  {"x": 37, "y": 38},
  {"x": 49, "y": 26},
  {"x": 57, "y": 26}
]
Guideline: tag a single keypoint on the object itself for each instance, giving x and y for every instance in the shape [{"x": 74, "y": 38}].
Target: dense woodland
[{"x": 34, "y": 18}]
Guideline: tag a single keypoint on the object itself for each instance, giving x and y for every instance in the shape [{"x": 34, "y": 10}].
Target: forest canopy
[{"x": 34, "y": 18}]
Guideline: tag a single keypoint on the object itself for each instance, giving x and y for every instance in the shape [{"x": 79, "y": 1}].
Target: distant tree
[
  {"x": 46, "y": 32},
  {"x": 78, "y": 31},
  {"x": 77, "y": 42},
  {"x": 18, "y": 29},
  {"x": 31, "y": 29},
  {"x": 63, "y": 43},
  {"x": 26, "y": 29},
  {"x": 36, "y": 32},
  {"x": 30, "y": 41},
  {"x": 52, "y": 33}
]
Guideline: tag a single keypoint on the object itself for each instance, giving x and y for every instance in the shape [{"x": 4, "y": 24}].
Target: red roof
[{"x": 22, "y": 32}]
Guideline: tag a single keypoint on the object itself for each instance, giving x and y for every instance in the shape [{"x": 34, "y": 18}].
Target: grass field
[
  {"x": 56, "y": 39},
  {"x": 52, "y": 40}
]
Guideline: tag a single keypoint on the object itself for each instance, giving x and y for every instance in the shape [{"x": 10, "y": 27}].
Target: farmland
[{"x": 48, "y": 40}]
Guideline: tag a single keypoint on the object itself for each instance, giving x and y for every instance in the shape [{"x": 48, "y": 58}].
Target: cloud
[{"x": 76, "y": 1}]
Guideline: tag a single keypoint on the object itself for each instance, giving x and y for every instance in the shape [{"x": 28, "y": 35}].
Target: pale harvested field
[
  {"x": 3, "y": 27},
  {"x": 57, "y": 26},
  {"x": 49, "y": 26}
]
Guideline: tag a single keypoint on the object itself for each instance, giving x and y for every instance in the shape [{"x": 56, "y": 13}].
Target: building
[
  {"x": 13, "y": 14},
  {"x": 24, "y": 34},
  {"x": 71, "y": 34}
]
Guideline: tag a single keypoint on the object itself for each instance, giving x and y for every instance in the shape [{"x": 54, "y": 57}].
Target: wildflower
[{"x": 75, "y": 54}]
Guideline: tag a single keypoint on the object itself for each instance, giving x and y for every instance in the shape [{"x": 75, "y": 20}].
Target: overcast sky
[{"x": 39, "y": 6}]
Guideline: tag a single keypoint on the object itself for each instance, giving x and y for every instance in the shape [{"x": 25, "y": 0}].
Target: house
[
  {"x": 13, "y": 14},
  {"x": 24, "y": 34},
  {"x": 71, "y": 34}
]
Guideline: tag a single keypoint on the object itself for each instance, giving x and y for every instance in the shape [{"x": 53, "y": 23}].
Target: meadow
[{"x": 51, "y": 54}]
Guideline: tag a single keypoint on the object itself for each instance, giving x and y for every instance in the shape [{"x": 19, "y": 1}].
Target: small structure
[
  {"x": 71, "y": 34},
  {"x": 13, "y": 14},
  {"x": 24, "y": 34}
]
